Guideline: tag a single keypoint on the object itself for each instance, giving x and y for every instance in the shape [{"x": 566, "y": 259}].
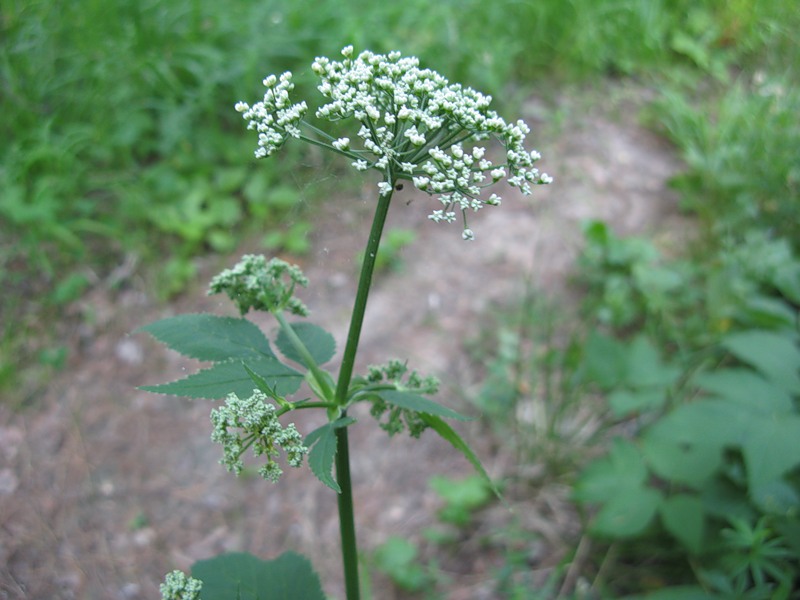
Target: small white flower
[
  {"x": 342, "y": 144},
  {"x": 468, "y": 235},
  {"x": 545, "y": 178},
  {"x": 384, "y": 188}
]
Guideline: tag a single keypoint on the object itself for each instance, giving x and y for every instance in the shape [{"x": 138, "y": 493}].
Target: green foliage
[
  {"x": 246, "y": 577},
  {"x": 461, "y": 498},
  {"x": 739, "y": 144},
  {"x": 322, "y": 442},
  {"x": 398, "y": 559},
  {"x": 715, "y": 470}
]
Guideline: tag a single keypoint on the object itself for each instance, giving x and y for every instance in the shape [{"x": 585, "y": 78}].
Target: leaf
[
  {"x": 322, "y": 442},
  {"x": 245, "y": 577},
  {"x": 605, "y": 361},
  {"x": 211, "y": 338},
  {"x": 231, "y": 377},
  {"x": 686, "y": 592},
  {"x": 397, "y": 558},
  {"x": 627, "y": 514},
  {"x": 686, "y": 445},
  {"x": 776, "y": 356},
  {"x": 624, "y": 402},
  {"x": 448, "y": 434},
  {"x": 644, "y": 367},
  {"x": 748, "y": 388},
  {"x": 319, "y": 343},
  {"x": 771, "y": 449},
  {"x": 683, "y": 516},
  {"x": 622, "y": 470},
  {"x": 417, "y": 403}
]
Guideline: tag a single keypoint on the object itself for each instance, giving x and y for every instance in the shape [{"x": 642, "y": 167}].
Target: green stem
[
  {"x": 347, "y": 526},
  {"x": 360, "y": 306},
  {"x": 347, "y": 523},
  {"x": 309, "y": 361}
]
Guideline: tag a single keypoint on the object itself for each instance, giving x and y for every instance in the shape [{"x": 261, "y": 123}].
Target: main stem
[{"x": 347, "y": 526}]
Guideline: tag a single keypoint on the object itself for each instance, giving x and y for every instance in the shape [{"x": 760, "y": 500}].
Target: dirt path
[{"x": 104, "y": 488}]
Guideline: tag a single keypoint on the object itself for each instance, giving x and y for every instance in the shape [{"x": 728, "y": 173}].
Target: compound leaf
[
  {"x": 417, "y": 403},
  {"x": 450, "y": 435},
  {"x": 322, "y": 442},
  {"x": 245, "y": 577},
  {"x": 211, "y": 338},
  {"x": 319, "y": 343},
  {"x": 231, "y": 377}
]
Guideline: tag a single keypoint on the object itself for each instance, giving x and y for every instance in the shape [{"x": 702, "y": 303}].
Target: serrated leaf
[
  {"x": 417, "y": 403},
  {"x": 627, "y": 514},
  {"x": 449, "y": 434},
  {"x": 322, "y": 442},
  {"x": 683, "y": 516},
  {"x": 776, "y": 356},
  {"x": 211, "y": 338},
  {"x": 231, "y": 377},
  {"x": 319, "y": 343},
  {"x": 621, "y": 470},
  {"x": 245, "y": 577}
]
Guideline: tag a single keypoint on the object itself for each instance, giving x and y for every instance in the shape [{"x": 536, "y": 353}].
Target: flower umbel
[
  {"x": 413, "y": 125},
  {"x": 177, "y": 586},
  {"x": 255, "y": 283},
  {"x": 253, "y": 422}
]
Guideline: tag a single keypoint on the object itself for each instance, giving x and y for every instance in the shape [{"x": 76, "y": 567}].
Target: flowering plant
[{"x": 414, "y": 126}]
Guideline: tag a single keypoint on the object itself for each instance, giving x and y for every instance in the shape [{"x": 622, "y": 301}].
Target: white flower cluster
[
  {"x": 251, "y": 422},
  {"x": 416, "y": 126},
  {"x": 275, "y": 118},
  {"x": 177, "y": 586}
]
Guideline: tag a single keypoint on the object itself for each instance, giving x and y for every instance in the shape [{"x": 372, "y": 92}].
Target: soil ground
[{"x": 105, "y": 488}]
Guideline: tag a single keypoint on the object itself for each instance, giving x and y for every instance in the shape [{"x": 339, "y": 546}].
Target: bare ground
[{"x": 104, "y": 488}]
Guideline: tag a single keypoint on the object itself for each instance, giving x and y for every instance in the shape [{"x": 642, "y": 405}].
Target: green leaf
[
  {"x": 397, "y": 558},
  {"x": 771, "y": 449},
  {"x": 686, "y": 445},
  {"x": 644, "y": 367},
  {"x": 448, "y": 434},
  {"x": 776, "y": 356},
  {"x": 627, "y": 514},
  {"x": 319, "y": 343},
  {"x": 621, "y": 470},
  {"x": 231, "y": 377},
  {"x": 417, "y": 403},
  {"x": 322, "y": 442},
  {"x": 748, "y": 388},
  {"x": 625, "y": 402},
  {"x": 605, "y": 361},
  {"x": 684, "y": 517},
  {"x": 211, "y": 338},
  {"x": 686, "y": 592},
  {"x": 243, "y": 576}
]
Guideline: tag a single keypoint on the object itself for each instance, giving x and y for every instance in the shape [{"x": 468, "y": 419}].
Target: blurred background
[{"x": 121, "y": 154}]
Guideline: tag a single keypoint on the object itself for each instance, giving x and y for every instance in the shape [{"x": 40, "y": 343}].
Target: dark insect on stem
[{"x": 398, "y": 186}]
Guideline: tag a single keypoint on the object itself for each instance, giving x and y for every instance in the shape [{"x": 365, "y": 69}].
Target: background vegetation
[{"x": 118, "y": 142}]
